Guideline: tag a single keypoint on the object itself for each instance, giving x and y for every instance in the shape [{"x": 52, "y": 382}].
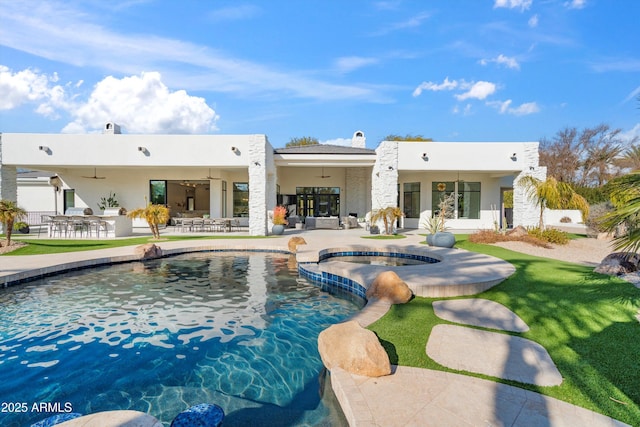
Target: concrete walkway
[{"x": 409, "y": 396}]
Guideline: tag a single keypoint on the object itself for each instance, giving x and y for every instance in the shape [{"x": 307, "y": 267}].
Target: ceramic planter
[
  {"x": 442, "y": 239},
  {"x": 277, "y": 229}
]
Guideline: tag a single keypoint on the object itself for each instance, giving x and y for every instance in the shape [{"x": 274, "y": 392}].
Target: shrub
[
  {"x": 565, "y": 220},
  {"x": 490, "y": 237},
  {"x": 550, "y": 235},
  {"x": 279, "y": 215}
]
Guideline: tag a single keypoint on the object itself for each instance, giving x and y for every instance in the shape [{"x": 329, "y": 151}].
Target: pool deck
[{"x": 408, "y": 397}]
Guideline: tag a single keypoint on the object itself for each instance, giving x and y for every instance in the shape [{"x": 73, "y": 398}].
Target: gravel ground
[{"x": 586, "y": 251}]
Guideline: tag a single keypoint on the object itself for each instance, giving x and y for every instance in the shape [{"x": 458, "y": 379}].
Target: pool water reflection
[{"x": 238, "y": 330}]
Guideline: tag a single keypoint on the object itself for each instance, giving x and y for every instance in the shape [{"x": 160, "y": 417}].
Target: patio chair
[
  {"x": 235, "y": 224},
  {"x": 45, "y": 223},
  {"x": 186, "y": 224},
  {"x": 198, "y": 224},
  {"x": 97, "y": 224},
  {"x": 208, "y": 225},
  {"x": 78, "y": 223},
  {"x": 59, "y": 224}
]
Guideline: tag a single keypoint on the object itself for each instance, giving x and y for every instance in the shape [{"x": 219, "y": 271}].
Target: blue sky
[{"x": 452, "y": 70}]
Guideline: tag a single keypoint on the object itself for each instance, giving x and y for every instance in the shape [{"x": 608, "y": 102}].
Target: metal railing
[{"x": 35, "y": 217}]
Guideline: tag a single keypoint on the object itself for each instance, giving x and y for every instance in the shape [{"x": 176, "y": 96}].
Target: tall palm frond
[
  {"x": 154, "y": 215},
  {"x": 9, "y": 213},
  {"x": 551, "y": 194},
  {"x": 626, "y": 199}
]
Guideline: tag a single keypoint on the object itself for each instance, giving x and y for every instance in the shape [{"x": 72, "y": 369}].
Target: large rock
[
  {"x": 148, "y": 251},
  {"x": 294, "y": 242},
  {"x": 389, "y": 287},
  {"x": 518, "y": 231},
  {"x": 618, "y": 263},
  {"x": 354, "y": 349}
]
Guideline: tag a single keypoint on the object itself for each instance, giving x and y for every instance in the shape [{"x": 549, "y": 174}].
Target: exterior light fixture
[
  {"x": 256, "y": 163},
  {"x": 143, "y": 150},
  {"x": 390, "y": 168},
  {"x": 234, "y": 149},
  {"x": 514, "y": 157},
  {"x": 425, "y": 156},
  {"x": 44, "y": 148}
]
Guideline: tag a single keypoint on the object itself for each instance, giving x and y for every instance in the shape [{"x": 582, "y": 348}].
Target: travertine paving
[
  {"x": 494, "y": 354},
  {"x": 480, "y": 312}
]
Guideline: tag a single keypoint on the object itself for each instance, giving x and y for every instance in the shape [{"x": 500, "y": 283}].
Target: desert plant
[
  {"x": 20, "y": 224},
  {"x": 446, "y": 207},
  {"x": 565, "y": 220},
  {"x": 432, "y": 225},
  {"x": 550, "y": 235},
  {"x": 154, "y": 215},
  {"x": 552, "y": 194},
  {"x": 388, "y": 216},
  {"x": 279, "y": 215},
  {"x": 9, "y": 213},
  {"x": 108, "y": 202}
]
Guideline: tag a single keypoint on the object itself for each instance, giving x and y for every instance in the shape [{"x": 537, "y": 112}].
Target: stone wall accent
[
  {"x": 356, "y": 194},
  {"x": 262, "y": 184},
  {"x": 356, "y": 350},
  {"x": 525, "y": 212},
  {"x": 384, "y": 179}
]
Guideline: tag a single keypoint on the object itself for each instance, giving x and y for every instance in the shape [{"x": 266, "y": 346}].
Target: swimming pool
[{"x": 238, "y": 330}]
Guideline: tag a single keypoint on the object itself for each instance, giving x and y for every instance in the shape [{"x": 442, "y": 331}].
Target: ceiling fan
[
  {"x": 323, "y": 176},
  {"x": 95, "y": 176},
  {"x": 211, "y": 177}
]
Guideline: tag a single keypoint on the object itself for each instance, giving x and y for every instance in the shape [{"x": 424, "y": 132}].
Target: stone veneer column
[
  {"x": 384, "y": 179},
  {"x": 262, "y": 184},
  {"x": 525, "y": 211},
  {"x": 356, "y": 189},
  {"x": 8, "y": 181}
]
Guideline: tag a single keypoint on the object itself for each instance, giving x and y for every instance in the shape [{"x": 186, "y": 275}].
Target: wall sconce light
[
  {"x": 143, "y": 150},
  {"x": 425, "y": 156},
  {"x": 514, "y": 157},
  {"x": 256, "y": 163},
  {"x": 235, "y": 149},
  {"x": 44, "y": 148},
  {"x": 390, "y": 168}
]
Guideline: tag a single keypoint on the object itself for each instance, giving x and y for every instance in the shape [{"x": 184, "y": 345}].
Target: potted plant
[
  {"x": 21, "y": 227},
  {"x": 278, "y": 218},
  {"x": 436, "y": 228},
  {"x": 108, "y": 202}
]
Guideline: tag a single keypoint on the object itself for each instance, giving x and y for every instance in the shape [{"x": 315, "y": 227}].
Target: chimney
[
  {"x": 111, "y": 128},
  {"x": 358, "y": 140}
]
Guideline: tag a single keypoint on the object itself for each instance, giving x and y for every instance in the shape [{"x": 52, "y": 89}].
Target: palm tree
[
  {"x": 154, "y": 215},
  {"x": 631, "y": 158},
  {"x": 9, "y": 213},
  {"x": 626, "y": 215},
  {"x": 552, "y": 194},
  {"x": 388, "y": 216}
]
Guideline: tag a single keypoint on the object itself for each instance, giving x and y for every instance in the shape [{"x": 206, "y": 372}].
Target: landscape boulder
[
  {"x": 389, "y": 287},
  {"x": 294, "y": 242},
  {"x": 618, "y": 263},
  {"x": 148, "y": 251},
  {"x": 518, "y": 231},
  {"x": 353, "y": 348}
]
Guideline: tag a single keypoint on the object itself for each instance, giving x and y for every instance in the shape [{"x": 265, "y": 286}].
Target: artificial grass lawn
[
  {"x": 53, "y": 246},
  {"x": 585, "y": 320}
]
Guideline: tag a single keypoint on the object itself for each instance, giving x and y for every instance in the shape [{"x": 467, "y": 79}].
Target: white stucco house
[{"x": 243, "y": 176}]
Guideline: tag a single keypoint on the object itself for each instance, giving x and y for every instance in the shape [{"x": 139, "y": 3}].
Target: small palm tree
[
  {"x": 9, "y": 213},
  {"x": 154, "y": 215},
  {"x": 626, "y": 200},
  {"x": 388, "y": 216},
  {"x": 552, "y": 194}
]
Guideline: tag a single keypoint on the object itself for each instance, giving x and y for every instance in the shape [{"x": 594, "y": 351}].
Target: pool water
[{"x": 238, "y": 330}]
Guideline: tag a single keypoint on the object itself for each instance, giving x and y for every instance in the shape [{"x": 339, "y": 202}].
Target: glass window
[
  {"x": 69, "y": 199},
  {"x": 224, "y": 199},
  {"x": 412, "y": 199},
  {"x": 240, "y": 199},
  {"x": 440, "y": 190},
  {"x": 318, "y": 201},
  {"x": 158, "y": 192},
  {"x": 469, "y": 200}
]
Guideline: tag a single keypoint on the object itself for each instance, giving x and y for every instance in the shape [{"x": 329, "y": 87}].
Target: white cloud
[
  {"x": 478, "y": 90},
  {"x": 345, "y": 142},
  {"x": 576, "y": 4},
  {"x": 513, "y": 4},
  {"x": 185, "y": 64},
  {"x": 435, "y": 87},
  {"x": 350, "y": 63},
  {"x": 509, "y": 62},
  {"x": 632, "y": 135},
  {"x": 533, "y": 21},
  {"x": 504, "y": 107},
  {"x": 142, "y": 104},
  {"x": 29, "y": 86}
]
